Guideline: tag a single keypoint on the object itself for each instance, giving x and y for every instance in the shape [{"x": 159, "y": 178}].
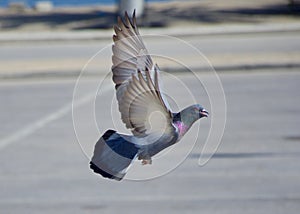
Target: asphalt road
[
  {"x": 255, "y": 170},
  {"x": 221, "y": 44},
  {"x": 245, "y": 49}
]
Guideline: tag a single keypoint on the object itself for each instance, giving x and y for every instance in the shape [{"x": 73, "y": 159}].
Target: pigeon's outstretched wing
[
  {"x": 129, "y": 51},
  {"x": 142, "y": 106}
]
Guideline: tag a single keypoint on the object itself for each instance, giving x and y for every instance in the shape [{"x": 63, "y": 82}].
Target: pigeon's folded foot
[{"x": 146, "y": 161}]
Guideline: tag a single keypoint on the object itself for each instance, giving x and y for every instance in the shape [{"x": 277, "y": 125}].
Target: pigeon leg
[{"x": 146, "y": 161}]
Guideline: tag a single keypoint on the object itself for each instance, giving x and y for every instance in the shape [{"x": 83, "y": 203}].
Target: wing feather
[
  {"x": 137, "y": 83},
  {"x": 129, "y": 50},
  {"x": 140, "y": 101}
]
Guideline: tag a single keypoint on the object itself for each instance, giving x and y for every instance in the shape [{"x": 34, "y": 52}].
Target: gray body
[{"x": 139, "y": 97}]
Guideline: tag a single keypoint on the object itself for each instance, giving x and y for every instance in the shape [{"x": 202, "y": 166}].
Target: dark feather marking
[
  {"x": 107, "y": 134},
  {"x": 103, "y": 173}
]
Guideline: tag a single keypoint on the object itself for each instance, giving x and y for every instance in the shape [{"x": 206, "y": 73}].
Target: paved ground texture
[
  {"x": 255, "y": 170},
  {"x": 168, "y": 14},
  {"x": 225, "y": 53},
  {"x": 254, "y": 46}
]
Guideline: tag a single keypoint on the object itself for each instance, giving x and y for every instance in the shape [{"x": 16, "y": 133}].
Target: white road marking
[{"x": 35, "y": 126}]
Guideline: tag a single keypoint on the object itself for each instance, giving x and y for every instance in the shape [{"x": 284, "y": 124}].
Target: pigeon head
[
  {"x": 194, "y": 113},
  {"x": 191, "y": 114},
  {"x": 200, "y": 111}
]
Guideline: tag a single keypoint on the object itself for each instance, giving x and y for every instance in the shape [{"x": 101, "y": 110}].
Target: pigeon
[{"x": 143, "y": 107}]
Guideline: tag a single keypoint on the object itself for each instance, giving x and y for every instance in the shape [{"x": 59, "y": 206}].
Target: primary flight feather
[{"x": 143, "y": 108}]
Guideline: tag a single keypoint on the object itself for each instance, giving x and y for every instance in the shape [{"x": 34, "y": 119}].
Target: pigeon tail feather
[{"x": 113, "y": 155}]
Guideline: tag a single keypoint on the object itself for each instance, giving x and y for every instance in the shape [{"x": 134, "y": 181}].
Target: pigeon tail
[{"x": 113, "y": 155}]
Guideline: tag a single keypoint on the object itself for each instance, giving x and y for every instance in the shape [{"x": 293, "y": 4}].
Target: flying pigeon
[{"x": 143, "y": 108}]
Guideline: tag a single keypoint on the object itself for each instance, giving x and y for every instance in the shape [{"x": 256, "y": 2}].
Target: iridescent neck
[{"x": 181, "y": 127}]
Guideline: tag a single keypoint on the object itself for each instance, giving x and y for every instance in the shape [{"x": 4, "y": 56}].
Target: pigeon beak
[{"x": 203, "y": 113}]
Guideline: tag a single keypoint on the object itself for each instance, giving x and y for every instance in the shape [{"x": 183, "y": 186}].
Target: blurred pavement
[
  {"x": 226, "y": 52},
  {"x": 208, "y": 25},
  {"x": 255, "y": 170},
  {"x": 253, "y": 45}
]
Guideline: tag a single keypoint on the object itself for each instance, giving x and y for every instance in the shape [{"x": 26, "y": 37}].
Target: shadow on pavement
[
  {"x": 154, "y": 16},
  {"x": 240, "y": 155},
  {"x": 104, "y": 19}
]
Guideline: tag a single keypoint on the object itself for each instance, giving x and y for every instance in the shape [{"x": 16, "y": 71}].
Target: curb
[
  {"x": 9, "y": 37},
  {"x": 218, "y": 69}
]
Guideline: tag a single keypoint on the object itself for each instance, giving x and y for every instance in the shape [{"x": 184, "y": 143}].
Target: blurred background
[{"x": 254, "y": 46}]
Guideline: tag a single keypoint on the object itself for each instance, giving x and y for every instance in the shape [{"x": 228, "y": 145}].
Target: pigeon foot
[{"x": 146, "y": 161}]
